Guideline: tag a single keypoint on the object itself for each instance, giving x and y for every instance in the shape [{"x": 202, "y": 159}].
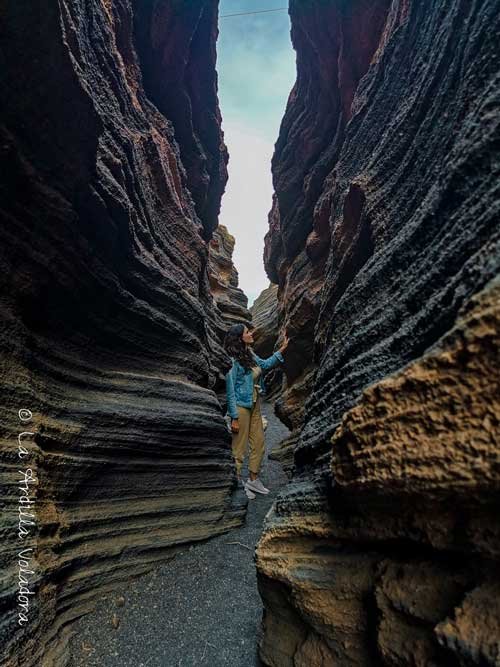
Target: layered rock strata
[
  {"x": 113, "y": 165},
  {"x": 265, "y": 320},
  {"x": 176, "y": 43},
  {"x": 384, "y": 548},
  {"x": 229, "y": 298}
]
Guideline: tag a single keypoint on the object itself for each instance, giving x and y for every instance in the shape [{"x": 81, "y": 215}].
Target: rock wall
[
  {"x": 229, "y": 298},
  {"x": 384, "y": 242},
  {"x": 176, "y": 43},
  {"x": 265, "y": 319},
  {"x": 112, "y": 170}
]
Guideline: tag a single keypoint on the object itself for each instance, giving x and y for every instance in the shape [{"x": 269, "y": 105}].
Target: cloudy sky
[{"x": 256, "y": 66}]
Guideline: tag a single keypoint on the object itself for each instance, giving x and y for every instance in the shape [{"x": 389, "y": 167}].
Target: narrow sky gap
[
  {"x": 260, "y": 11},
  {"x": 256, "y": 71}
]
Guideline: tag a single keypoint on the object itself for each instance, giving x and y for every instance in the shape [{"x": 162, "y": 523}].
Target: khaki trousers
[{"x": 251, "y": 431}]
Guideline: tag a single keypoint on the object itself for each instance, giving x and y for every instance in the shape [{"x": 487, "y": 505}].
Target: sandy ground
[{"x": 201, "y": 608}]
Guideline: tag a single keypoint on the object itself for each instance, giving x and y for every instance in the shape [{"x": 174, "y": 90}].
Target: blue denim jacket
[{"x": 239, "y": 382}]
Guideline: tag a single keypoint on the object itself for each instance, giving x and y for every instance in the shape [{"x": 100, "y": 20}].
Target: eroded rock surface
[
  {"x": 370, "y": 583},
  {"x": 265, "y": 319},
  {"x": 229, "y": 298},
  {"x": 384, "y": 243},
  {"x": 113, "y": 166},
  {"x": 176, "y": 43}
]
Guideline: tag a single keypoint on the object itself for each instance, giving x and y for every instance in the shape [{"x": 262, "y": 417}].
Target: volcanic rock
[
  {"x": 265, "y": 320},
  {"x": 384, "y": 243},
  {"x": 230, "y": 299},
  {"x": 112, "y": 170}
]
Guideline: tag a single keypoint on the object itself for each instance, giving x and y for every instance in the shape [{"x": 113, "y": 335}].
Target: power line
[{"x": 261, "y": 11}]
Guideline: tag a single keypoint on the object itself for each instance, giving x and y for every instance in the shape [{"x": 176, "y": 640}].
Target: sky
[{"x": 256, "y": 71}]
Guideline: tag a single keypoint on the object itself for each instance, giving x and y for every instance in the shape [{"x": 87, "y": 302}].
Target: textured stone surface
[
  {"x": 265, "y": 319},
  {"x": 176, "y": 43},
  {"x": 430, "y": 431},
  {"x": 384, "y": 242},
  {"x": 223, "y": 276},
  {"x": 375, "y": 563},
  {"x": 203, "y": 608},
  {"x": 109, "y": 334},
  {"x": 473, "y": 634}
]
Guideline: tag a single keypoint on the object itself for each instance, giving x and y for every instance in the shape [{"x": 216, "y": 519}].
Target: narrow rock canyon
[{"x": 118, "y": 285}]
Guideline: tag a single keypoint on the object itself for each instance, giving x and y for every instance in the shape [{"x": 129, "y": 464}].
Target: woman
[{"x": 244, "y": 383}]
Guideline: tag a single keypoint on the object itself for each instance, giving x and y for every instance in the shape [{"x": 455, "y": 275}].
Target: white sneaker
[
  {"x": 256, "y": 485},
  {"x": 250, "y": 494}
]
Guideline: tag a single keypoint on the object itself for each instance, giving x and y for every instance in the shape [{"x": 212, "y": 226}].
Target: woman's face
[{"x": 247, "y": 336}]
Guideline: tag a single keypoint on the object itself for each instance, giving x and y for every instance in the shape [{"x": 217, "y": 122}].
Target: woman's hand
[
  {"x": 235, "y": 425},
  {"x": 284, "y": 345}
]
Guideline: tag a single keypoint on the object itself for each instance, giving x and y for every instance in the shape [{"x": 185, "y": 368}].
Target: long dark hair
[{"x": 237, "y": 348}]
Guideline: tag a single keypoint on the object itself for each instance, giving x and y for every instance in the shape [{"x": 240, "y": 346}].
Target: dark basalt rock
[
  {"x": 384, "y": 229},
  {"x": 109, "y": 331},
  {"x": 176, "y": 44}
]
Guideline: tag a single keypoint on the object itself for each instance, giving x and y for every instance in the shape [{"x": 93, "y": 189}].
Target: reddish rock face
[
  {"x": 176, "y": 45},
  {"x": 384, "y": 242},
  {"x": 112, "y": 168},
  {"x": 335, "y": 46}
]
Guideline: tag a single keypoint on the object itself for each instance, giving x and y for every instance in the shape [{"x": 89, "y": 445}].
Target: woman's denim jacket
[{"x": 239, "y": 382}]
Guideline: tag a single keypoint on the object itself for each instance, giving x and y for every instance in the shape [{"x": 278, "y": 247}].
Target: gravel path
[{"x": 202, "y": 607}]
